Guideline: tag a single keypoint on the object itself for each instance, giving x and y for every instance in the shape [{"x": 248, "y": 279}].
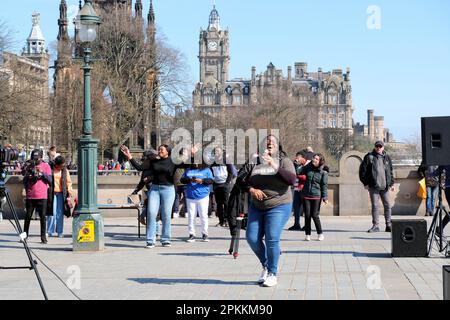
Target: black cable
[
  {"x": 48, "y": 268},
  {"x": 56, "y": 275}
]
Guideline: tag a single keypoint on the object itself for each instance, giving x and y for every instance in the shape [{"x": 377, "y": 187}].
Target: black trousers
[
  {"x": 311, "y": 210},
  {"x": 298, "y": 207},
  {"x": 221, "y": 194},
  {"x": 41, "y": 207}
]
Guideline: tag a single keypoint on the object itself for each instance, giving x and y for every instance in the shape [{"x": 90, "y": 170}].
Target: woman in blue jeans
[
  {"x": 268, "y": 179},
  {"x": 161, "y": 193}
]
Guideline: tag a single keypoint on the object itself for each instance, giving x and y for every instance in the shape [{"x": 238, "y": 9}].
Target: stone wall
[{"x": 347, "y": 196}]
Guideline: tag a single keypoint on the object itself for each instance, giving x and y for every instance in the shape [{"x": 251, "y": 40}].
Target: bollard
[{"x": 446, "y": 281}]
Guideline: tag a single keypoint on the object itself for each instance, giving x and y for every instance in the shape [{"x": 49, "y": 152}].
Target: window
[
  {"x": 333, "y": 123},
  {"x": 208, "y": 99},
  {"x": 332, "y": 99},
  {"x": 237, "y": 100},
  {"x": 341, "y": 122}
]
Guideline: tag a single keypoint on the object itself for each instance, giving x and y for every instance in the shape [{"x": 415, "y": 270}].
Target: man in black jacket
[{"x": 377, "y": 176}]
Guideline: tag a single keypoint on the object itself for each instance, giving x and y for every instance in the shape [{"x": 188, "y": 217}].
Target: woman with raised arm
[{"x": 161, "y": 193}]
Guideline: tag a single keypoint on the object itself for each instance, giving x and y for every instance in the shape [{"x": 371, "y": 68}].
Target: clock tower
[{"x": 214, "y": 51}]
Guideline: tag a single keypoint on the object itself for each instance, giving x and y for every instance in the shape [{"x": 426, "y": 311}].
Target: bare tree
[
  {"x": 6, "y": 36},
  {"x": 131, "y": 74},
  {"x": 136, "y": 72}
]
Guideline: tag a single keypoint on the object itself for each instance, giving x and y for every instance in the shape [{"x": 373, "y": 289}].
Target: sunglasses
[{"x": 378, "y": 146}]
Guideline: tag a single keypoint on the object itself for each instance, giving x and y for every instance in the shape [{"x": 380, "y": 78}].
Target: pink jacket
[{"x": 38, "y": 190}]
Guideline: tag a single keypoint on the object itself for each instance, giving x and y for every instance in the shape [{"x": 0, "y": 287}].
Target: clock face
[{"x": 212, "y": 45}]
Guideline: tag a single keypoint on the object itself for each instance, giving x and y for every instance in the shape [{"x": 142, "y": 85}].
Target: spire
[
  {"x": 36, "y": 40},
  {"x": 214, "y": 19},
  {"x": 63, "y": 22},
  {"x": 151, "y": 14},
  {"x": 138, "y": 8}
]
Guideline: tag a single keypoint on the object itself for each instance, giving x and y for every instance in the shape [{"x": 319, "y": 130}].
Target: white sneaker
[
  {"x": 270, "y": 281},
  {"x": 308, "y": 238},
  {"x": 176, "y": 215},
  {"x": 263, "y": 276},
  {"x": 321, "y": 237}
]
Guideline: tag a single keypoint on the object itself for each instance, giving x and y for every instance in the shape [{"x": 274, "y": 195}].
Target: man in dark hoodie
[{"x": 377, "y": 176}]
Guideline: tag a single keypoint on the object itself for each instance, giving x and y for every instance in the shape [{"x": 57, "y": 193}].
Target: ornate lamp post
[{"x": 88, "y": 233}]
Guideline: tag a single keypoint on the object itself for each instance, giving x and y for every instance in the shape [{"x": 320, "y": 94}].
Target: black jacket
[
  {"x": 368, "y": 173},
  {"x": 430, "y": 173},
  {"x": 316, "y": 184},
  {"x": 237, "y": 205},
  {"x": 65, "y": 192}
]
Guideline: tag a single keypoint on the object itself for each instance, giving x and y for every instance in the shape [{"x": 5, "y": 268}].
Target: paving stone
[{"x": 337, "y": 268}]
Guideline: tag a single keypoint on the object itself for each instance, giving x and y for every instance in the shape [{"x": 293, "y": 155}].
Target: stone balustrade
[{"x": 347, "y": 196}]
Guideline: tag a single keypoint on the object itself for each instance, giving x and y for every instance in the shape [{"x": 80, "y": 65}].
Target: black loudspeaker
[
  {"x": 409, "y": 238},
  {"x": 436, "y": 141},
  {"x": 446, "y": 281}
]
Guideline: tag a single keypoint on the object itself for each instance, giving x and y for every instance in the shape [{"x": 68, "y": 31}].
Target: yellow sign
[{"x": 86, "y": 233}]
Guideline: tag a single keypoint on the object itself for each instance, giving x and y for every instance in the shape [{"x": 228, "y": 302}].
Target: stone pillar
[{"x": 353, "y": 198}]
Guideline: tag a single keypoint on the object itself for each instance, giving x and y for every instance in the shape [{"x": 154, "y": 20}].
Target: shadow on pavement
[
  {"x": 353, "y": 253},
  {"x": 194, "y": 254},
  {"x": 189, "y": 281}
]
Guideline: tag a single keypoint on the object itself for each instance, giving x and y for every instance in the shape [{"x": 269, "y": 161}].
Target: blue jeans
[
  {"x": 56, "y": 222},
  {"x": 431, "y": 198},
  {"x": 159, "y": 196},
  {"x": 267, "y": 224}
]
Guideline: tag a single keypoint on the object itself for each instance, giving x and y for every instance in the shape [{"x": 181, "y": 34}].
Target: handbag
[
  {"x": 422, "y": 192},
  {"x": 68, "y": 206}
]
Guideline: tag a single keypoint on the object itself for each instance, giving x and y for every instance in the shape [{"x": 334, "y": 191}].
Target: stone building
[
  {"x": 27, "y": 75},
  {"x": 147, "y": 134},
  {"x": 326, "y": 94},
  {"x": 374, "y": 129}
]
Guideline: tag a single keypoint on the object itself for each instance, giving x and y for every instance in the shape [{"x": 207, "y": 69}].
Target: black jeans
[
  {"x": 221, "y": 194},
  {"x": 41, "y": 206},
  {"x": 311, "y": 210},
  {"x": 298, "y": 207}
]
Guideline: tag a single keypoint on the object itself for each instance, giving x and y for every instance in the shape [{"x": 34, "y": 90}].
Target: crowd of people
[{"x": 176, "y": 185}]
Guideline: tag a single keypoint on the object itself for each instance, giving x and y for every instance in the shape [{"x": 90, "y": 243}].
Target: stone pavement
[{"x": 349, "y": 264}]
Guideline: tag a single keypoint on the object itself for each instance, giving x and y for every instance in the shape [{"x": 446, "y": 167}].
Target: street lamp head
[{"x": 87, "y": 22}]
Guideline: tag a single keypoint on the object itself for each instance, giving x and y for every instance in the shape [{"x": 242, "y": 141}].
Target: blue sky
[{"x": 401, "y": 70}]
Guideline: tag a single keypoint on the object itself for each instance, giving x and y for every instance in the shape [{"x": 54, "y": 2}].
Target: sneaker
[
  {"x": 176, "y": 215},
  {"x": 388, "y": 228},
  {"x": 270, "y": 281},
  {"x": 191, "y": 238},
  {"x": 295, "y": 227},
  {"x": 60, "y": 235},
  {"x": 321, "y": 237},
  {"x": 308, "y": 238},
  {"x": 149, "y": 245},
  {"x": 263, "y": 276},
  {"x": 205, "y": 238},
  {"x": 374, "y": 229},
  {"x": 44, "y": 241},
  {"x": 166, "y": 244}
]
